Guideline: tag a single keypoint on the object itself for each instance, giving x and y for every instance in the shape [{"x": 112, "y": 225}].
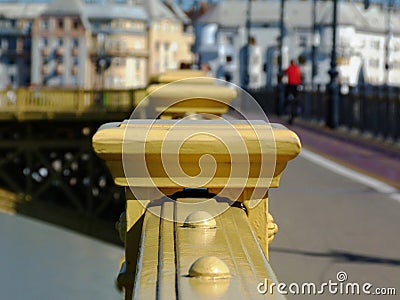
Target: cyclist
[{"x": 293, "y": 74}]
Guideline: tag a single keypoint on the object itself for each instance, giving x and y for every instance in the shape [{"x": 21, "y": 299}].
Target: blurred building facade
[
  {"x": 368, "y": 41},
  {"x": 91, "y": 44},
  {"x": 59, "y": 45},
  {"x": 170, "y": 36},
  {"x": 15, "y": 43},
  {"x": 118, "y": 45}
]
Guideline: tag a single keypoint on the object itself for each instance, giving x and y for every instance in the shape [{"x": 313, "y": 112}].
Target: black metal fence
[{"x": 373, "y": 110}]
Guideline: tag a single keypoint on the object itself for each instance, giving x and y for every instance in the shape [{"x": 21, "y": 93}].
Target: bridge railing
[
  {"x": 22, "y": 102},
  {"x": 371, "y": 110},
  {"x": 196, "y": 236},
  {"x": 158, "y": 253}
]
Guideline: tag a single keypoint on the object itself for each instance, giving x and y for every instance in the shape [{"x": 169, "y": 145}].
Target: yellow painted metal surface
[
  {"x": 174, "y": 75},
  {"x": 168, "y": 251},
  {"x": 108, "y": 145},
  {"x": 173, "y": 245},
  {"x": 192, "y": 91},
  {"x": 27, "y": 104},
  {"x": 185, "y": 97}
]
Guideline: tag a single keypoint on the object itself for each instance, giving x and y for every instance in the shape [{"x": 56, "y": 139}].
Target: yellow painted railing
[
  {"x": 52, "y": 103},
  {"x": 195, "y": 227},
  {"x": 217, "y": 259},
  {"x": 168, "y": 94},
  {"x": 112, "y": 143}
]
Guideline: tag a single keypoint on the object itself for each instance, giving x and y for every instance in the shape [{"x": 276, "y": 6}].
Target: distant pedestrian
[{"x": 293, "y": 74}]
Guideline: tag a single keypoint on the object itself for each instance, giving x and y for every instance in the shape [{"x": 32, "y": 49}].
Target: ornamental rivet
[
  {"x": 209, "y": 267},
  {"x": 200, "y": 219}
]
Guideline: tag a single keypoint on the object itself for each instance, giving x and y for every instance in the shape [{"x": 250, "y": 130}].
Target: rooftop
[
  {"x": 22, "y": 10},
  {"x": 110, "y": 11},
  {"x": 62, "y": 7},
  {"x": 150, "y": 9},
  {"x": 299, "y": 14}
]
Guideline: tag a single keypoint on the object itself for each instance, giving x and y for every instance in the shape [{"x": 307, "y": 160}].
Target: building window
[
  {"x": 21, "y": 24},
  {"x": 166, "y": 27},
  {"x": 157, "y": 26},
  {"x": 27, "y": 45},
  {"x": 138, "y": 45},
  {"x": 45, "y": 24},
  {"x": 5, "y": 24},
  {"x": 20, "y": 45},
  {"x": 60, "y": 42},
  {"x": 302, "y": 41},
  {"x": 139, "y": 25},
  {"x": 118, "y": 45},
  {"x": 75, "y": 42},
  {"x": 166, "y": 46},
  {"x": 137, "y": 63},
  {"x": 157, "y": 46},
  {"x": 4, "y": 44},
  {"x": 75, "y": 24},
  {"x": 60, "y": 23},
  {"x": 374, "y": 63},
  {"x": 114, "y": 24},
  {"x": 104, "y": 25},
  {"x": 119, "y": 61},
  {"x": 375, "y": 45}
]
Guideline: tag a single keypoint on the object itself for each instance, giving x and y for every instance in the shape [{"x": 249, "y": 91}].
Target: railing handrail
[
  {"x": 368, "y": 109},
  {"x": 20, "y": 102}
]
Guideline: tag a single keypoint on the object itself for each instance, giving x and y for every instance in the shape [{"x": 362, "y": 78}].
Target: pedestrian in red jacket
[{"x": 293, "y": 74}]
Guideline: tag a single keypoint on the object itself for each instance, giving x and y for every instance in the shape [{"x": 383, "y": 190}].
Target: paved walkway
[
  {"x": 329, "y": 223},
  {"x": 369, "y": 156},
  {"x": 377, "y": 159},
  {"x": 39, "y": 261}
]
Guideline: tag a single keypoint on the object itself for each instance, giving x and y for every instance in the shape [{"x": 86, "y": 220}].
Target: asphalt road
[{"x": 329, "y": 223}]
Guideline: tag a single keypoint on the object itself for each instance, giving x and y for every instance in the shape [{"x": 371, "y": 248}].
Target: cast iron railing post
[
  {"x": 332, "y": 118},
  {"x": 281, "y": 88}
]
